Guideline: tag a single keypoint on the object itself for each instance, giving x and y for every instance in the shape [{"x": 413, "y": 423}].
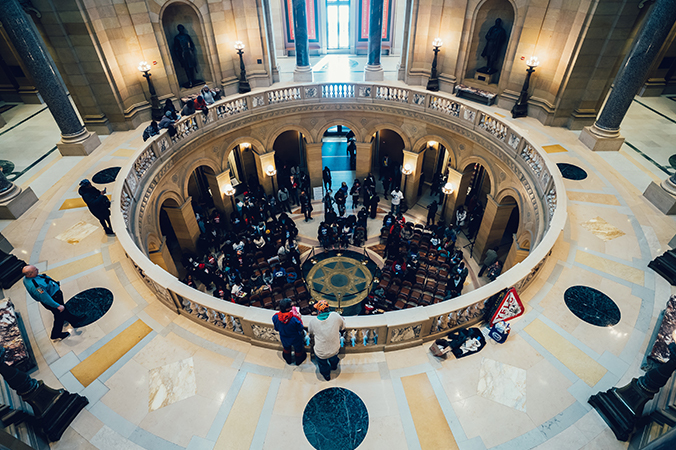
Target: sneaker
[{"x": 327, "y": 377}]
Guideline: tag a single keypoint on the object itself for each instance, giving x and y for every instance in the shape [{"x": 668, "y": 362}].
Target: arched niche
[
  {"x": 388, "y": 143},
  {"x": 176, "y": 14},
  {"x": 485, "y": 18}
]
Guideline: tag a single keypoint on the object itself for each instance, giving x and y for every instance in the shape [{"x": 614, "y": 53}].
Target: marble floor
[{"x": 155, "y": 380}]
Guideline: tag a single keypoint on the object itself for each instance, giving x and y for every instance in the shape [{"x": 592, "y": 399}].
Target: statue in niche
[
  {"x": 495, "y": 38},
  {"x": 184, "y": 49}
]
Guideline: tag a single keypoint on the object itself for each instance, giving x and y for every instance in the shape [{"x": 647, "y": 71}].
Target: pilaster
[
  {"x": 185, "y": 226},
  {"x": 492, "y": 226}
]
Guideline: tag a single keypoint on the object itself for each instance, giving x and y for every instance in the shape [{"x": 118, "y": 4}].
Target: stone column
[
  {"x": 162, "y": 257},
  {"x": 373, "y": 70},
  {"x": 604, "y": 135},
  {"x": 223, "y": 179},
  {"x": 411, "y": 191},
  {"x": 303, "y": 71},
  {"x": 492, "y": 226},
  {"x": 216, "y": 193},
  {"x": 262, "y": 162},
  {"x": 364, "y": 160},
  {"x": 185, "y": 226},
  {"x": 516, "y": 255},
  {"x": 460, "y": 182},
  {"x": 14, "y": 201},
  {"x": 314, "y": 164},
  {"x": 75, "y": 139}
]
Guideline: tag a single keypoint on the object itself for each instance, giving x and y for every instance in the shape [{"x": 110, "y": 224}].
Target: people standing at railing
[
  {"x": 151, "y": 130},
  {"x": 201, "y": 105},
  {"x": 188, "y": 108},
  {"x": 169, "y": 108},
  {"x": 289, "y": 324},
  {"x": 207, "y": 95},
  {"x": 326, "y": 328}
]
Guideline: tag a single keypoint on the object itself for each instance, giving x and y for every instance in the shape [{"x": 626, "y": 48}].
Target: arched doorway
[
  {"x": 339, "y": 154},
  {"x": 290, "y": 152},
  {"x": 434, "y": 168},
  {"x": 201, "y": 183},
  {"x": 243, "y": 171}
]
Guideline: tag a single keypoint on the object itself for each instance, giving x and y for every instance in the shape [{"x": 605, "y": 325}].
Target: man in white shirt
[
  {"x": 326, "y": 328},
  {"x": 397, "y": 196}
]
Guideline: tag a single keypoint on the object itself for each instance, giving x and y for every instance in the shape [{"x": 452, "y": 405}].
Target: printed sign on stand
[
  {"x": 509, "y": 308},
  {"x": 317, "y": 193}
]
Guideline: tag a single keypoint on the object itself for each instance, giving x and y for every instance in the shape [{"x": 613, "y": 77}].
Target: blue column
[
  {"x": 375, "y": 32},
  {"x": 38, "y": 62},
  {"x": 300, "y": 32},
  {"x": 632, "y": 75}
]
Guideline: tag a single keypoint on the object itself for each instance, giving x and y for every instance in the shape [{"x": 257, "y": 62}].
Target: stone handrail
[{"x": 394, "y": 329}]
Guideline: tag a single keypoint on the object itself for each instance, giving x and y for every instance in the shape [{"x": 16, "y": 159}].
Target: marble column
[
  {"x": 373, "y": 70},
  {"x": 75, "y": 139},
  {"x": 223, "y": 179},
  {"x": 314, "y": 164},
  {"x": 492, "y": 226},
  {"x": 364, "y": 160},
  {"x": 216, "y": 193},
  {"x": 604, "y": 135},
  {"x": 303, "y": 71},
  {"x": 185, "y": 226},
  {"x": 262, "y": 162}
]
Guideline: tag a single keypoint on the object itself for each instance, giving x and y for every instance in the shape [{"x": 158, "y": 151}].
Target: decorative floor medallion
[
  {"x": 572, "y": 172},
  {"x": 335, "y": 419},
  {"x": 90, "y": 305},
  {"x": 592, "y": 306},
  {"x": 106, "y": 175}
]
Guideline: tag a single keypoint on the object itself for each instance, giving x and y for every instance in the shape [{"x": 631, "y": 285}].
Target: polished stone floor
[{"x": 159, "y": 381}]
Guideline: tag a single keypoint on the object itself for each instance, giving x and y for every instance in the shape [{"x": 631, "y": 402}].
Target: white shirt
[
  {"x": 396, "y": 197},
  {"x": 327, "y": 334}
]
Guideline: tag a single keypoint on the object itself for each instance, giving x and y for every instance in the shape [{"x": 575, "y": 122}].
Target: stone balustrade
[{"x": 395, "y": 329}]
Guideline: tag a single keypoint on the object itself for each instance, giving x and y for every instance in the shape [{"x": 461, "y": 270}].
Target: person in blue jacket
[
  {"x": 48, "y": 292},
  {"x": 290, "y": 327}
]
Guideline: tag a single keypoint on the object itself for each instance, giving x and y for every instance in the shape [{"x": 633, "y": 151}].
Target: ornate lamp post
[
  {"x": 520, "y": 109},
  {"x": 54, "y": 409},
  {"x": 622, "y": 407},
  {"x": 230, "y": 192},
  {"x": 271, "y": 172},
  {"x": 243, "y": 83},
  {"x": 144, "y": 67},
  {"x": 447, "y": 190},
  {"x": 433, "y": 83}
]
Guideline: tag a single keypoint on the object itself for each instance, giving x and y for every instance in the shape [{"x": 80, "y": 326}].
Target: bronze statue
[
  {"x": 495, "y": 38},
  {"x": 184, "y": 50}
]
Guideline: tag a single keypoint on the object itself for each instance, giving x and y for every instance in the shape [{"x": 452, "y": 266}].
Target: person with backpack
[{"x": 98, "y": 204}]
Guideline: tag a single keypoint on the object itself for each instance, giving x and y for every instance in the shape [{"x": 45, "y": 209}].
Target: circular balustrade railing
[{"x": 396, "y": 329}]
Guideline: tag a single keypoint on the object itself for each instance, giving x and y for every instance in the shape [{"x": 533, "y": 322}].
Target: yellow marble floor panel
[
  {"x": 572, "y": 357},
  {"x": 77, "y": 232},
  {"x": 99, "y": 361},
  {"x": 75, "y": 267},
  {"x": 554, "y": 148},
  {"x": 72, "y": 203},
  {"x": 428, "y": 417},
  {"x": 602, "y": 229},
  {"x": 616, "y": 269},
  {"x": 125, "y": 152},
  {"x": 603, "y": 199},
  {"x": 240, "y": 426}
]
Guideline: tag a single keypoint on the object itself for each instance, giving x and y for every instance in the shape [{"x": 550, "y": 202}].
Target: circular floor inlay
[
  {"x": 106, "y": 175},
  {"x": 90, "y": 305},
  {"x": 592, "y": 306},
  {"x": 672, "y": 161},
  {"x": 7, "y": 166},
  {"x": 572, "y": 172},
  {"x": 339, "y": 280},
  {"x": 335, "y": 419}
]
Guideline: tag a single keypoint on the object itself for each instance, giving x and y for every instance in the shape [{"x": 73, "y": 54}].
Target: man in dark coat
[
  {"x": 98, "y": 204},
  {"x": 290, "y": 329}
]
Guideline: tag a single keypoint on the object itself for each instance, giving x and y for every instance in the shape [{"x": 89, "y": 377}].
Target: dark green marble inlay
[
  {"x": 592, "y": 306},
  {"x": 335, "y": 419}
]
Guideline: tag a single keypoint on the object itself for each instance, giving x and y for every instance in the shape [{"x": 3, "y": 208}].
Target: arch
[
  {"x": 450, "y": 145},
  {"x": 333, "y": 122},
  {"x": 389, "y": 126},
  {"x": 509, "y": 192},
  {"x": 227, "y": 147},
  {"x": 474, "y": 159},
  {"x": 153, "y": 242},
  {"x": 189, "y": 169},
  {"x": 309, "y": 138},
  {"x": 174, "y": 199}
]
